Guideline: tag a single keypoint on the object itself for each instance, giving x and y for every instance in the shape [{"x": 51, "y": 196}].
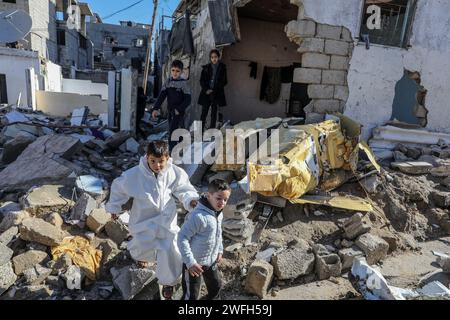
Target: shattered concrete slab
[
  {"x": 356, "y": 226},
  {"x": 13, "y": 148},
  {"x": 5, "y": 254},
  {"x": 131, "y": 280},
  {"x": 413, "y": 167},
  {"x": 13, "y": 218},
  {"x": 28, "y": 260},
  {"x": 47, "y": 198},
  {"x": 292, "y": 263},
  {"x": 40, "y": 231},
  {"x": 7, "y": 276},
  {"x": 7, "y": 236},
  {"x": 97, "y": 220},
  {"x": 36, "y": 274},
  {"x": 117, "y": 231},
  {"x": 42, "y": 162}
]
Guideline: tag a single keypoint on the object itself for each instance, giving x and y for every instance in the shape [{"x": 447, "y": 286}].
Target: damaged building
[{"x": 339, "y": 63}]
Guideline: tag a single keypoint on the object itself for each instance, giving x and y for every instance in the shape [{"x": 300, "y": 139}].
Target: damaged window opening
[
  {"x": 409, "y": 101},
  {"x": 396, "y": 22}
]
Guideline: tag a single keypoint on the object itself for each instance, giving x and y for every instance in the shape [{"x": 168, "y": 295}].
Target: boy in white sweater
[{"x": 153, "y": 184}]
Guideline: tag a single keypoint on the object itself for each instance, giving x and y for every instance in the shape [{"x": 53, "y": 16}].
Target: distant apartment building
[{"x": 118, "y": 46}]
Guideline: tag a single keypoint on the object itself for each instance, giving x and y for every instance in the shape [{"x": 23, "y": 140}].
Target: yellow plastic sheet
[
  {"x": 343, "y": 202},
  {"x": 364, "y": 147},
  {"x": 82, "y": 253}
]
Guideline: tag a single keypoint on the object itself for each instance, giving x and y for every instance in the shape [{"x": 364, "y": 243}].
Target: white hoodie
[{"x": 153, "y": 217}]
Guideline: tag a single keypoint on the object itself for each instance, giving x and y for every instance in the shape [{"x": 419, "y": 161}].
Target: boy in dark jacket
[
  {"x": 178, "y": 95},
  {"x": 213, "y": 81}
]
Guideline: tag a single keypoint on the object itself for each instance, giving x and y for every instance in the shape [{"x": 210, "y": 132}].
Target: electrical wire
[{"x": 121, "y": 10}]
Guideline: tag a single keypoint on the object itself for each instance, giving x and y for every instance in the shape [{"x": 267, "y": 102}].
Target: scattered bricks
[
  {"x": 34, "y": 229},
  {"x": 335, "y": 77},
  {"x": 356, "y": 226},
  {"x": 341, "y": 93},
  {"x": 346, "y": 35},
  {"x": 328, "y": 266},
  {"x": 259, "y": 277},
  {"x": 298, "y": 29},
  {"x": 97, "y": 220},
  {"x": 7, "y": 277},
  {"x": 339, "y": 63},
  {"x": 311, "y": 45},
  {"x": 39, "y": 201},
  {"x": 28, "y": 260},
  {"x": 117, "y": 139},
  {"x": 336, "y": 47},
  {"x": 5, "y": 254},
  {"x": 441, "y": 199},
  {"x": 374, "y": 248},
  {"x": 130, "y": 280},
  {"x": 315, "y": 60},
  {"x": 308, "y": 76},
  {"x": 317, "y": 91},
  {"x": 328, "y": 32},
  {"x": 7, "y": 236},
  {"x": 292, "y": 263},
  {"x": 326, "y": 106},
  {"x": 347, "y": 256},
  {"x": 13, "y": 218},
  {"x": 117, "y": 231},
  {"x": 36, "y": 275},
  {"x": 55, "y": 219},
  {"x": 413, "y": 167},
  {"x": 13, "y": 148},
  {"x": 74, "y": 277}
]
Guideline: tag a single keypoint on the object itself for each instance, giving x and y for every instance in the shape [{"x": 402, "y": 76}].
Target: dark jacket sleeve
[
  {"x": 162, "y": 96},
  {"x": 185, "y": 104}
]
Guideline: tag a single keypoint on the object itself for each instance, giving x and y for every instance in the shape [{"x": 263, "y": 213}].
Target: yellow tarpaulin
[
  {"x": 82, "y": 253},
  {"x": 343, "y": 202},
  {"x": 363, "y": 145}
]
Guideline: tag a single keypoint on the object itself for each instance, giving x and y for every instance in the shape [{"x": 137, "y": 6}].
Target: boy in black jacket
[{"x": 178, "y": 95}]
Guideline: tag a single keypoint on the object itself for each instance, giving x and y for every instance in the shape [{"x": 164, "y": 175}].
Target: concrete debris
[
  {"x": 36, "y": 274},
  {"x": 7, "y": 236},
  {"x": 90, "y": 184},
  {"x": 356, "y": 226},
  {"x": 413, "y": 167},
  {"x": 13, "y": 148},
  {"x": 55, "y": 219},
  {"x": 38, "y": 230},
  {"x": 292, "y": 263},
  {"x": 347, "y": 256},
  {"x": 40, "y": 200},
  {"x": 327, "y": 265},
  {"x": 28, "y": 260},
  {"x": 13, "y": 218},
  {"x": 371, "y": 184},
  {"x": 83, "y": 208},
  {"x": 259, "y": 277},
  {"x": 8, "y": 207},
  {"x": 131, "y": 145},
  {"x": 374, "y": 248},
  {"x": 7, "y": 277},
  {"x": 74, "y": 277},
  {"x": 5, "y": 254},
  {"x": 79, "y": 116},
  {"x": 117, "y": 231},
  {"x": 97, "y": 220},
  {"x": 131, "y": 280},
  {"x": 117, "y": 139}
]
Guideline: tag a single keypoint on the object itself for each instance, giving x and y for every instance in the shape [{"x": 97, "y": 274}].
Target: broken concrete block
[
  {"x": 336, "y": 77},
  {"x": 315, "y": 60},
  {"x": 356, "y": 226},
  {"x": 13, "y": 148},
  {"x": 35, "y": 229},
  {"x": 311, "y": 45},
  {"x": 339, "y": 63},
  {"x": 28, "y": 260},
  {"x": 8, "y": 207},
  {"x": 319, "y": 91},
  {"x": 5, "y": 254},
  {"x": 374, "y": 248},
  {"x": 47, "y": 198},
  {"x": 39, "y": 292},
  {"x": 370, "y": 184},
  {"x": 238, "y": 227},
  {"x": 239, "y": 205},
  {"x": 336, "y": 47},
  {"x": 36, "y": 274},
  {"x": 7, "y": 236},
  {"x": 44, "y": 163},
  {"x": 83, "y": 208},
  {"x": 292, "y": 263},
  {"x": 327, "y": 106},
  {"x": 297, "y": 29},
  {"x": 347, "y": 256},
  {"x": 131, "y": 280},
  {"x": 117, "y": 139},
  {"x": 117, "y": 231},
  {"x": 13, "y": 218},
  {"x": 327, "y": 266},
  {"x": 259, "y": 277},
  {"x": 441, "y": 199},
  {"x": 55, "y": 219},
  {"x": 7, "y": 277},
  {"x": 97, "y": 220},
  {"x": 74, "y": 277},
  {"x": 308, "y": 76},
  {"x": 79, "y": 116},
  {"x": 328, "y": 32},
  {"x": 131, "y": 145},
  {"x": 413, "y": 167},
  {"x": 109, "y": 250}
]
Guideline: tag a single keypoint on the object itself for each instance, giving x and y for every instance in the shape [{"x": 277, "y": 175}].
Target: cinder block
[
  {"x": 317, "y": 91},
  {"x": 300, "y": 28},
  {"x": 315, "y": 60},
  {"x": 336, "y": 47},
  {"x": 339, "y": 63},
  {"x": 346, "y": 35},
  {"x": 328, "y": 32},
  {"x": 306, "y": 75},
  {"x": 335, "y": 77},
  {"x": 311, "y": 45},
  {"x": 327, "y": 106},
  {"x": 341, "y": 93}
]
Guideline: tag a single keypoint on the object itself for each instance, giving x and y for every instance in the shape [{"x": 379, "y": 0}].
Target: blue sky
[{"x": 142, "y": 12}]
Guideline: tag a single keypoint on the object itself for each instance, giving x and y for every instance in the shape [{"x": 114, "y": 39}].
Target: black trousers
[
  {"x": 191, "y": 285},
  {"x": 175, "y": 122},
  {"x": 205, "y": 110}
]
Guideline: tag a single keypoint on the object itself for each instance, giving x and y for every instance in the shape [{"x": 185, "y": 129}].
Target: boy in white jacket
[{"x": 153, "y": 218}]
